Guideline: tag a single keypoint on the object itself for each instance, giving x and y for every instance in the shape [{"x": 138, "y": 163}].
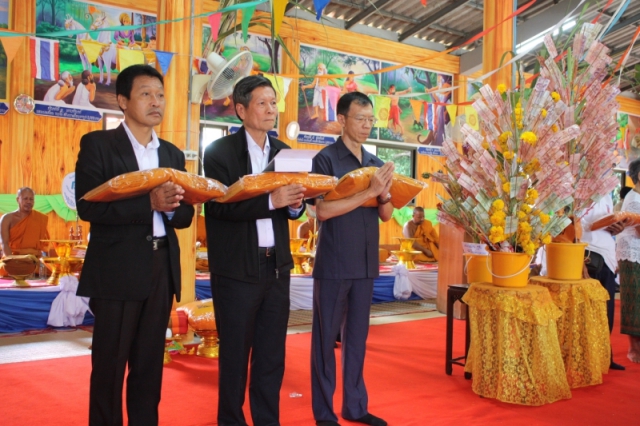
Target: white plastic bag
[{"x": 401, "y": 286}]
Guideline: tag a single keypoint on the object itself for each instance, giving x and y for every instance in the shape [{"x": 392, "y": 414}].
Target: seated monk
[
  {"x": 22, "y": 230},
  {"x": 427, "y": 239}
]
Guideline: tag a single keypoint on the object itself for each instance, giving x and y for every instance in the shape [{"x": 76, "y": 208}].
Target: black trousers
[
  {"x": 252, "y": 322},
  {"x": 608, "y": 280},
  {"x": 130, "y": 334}
]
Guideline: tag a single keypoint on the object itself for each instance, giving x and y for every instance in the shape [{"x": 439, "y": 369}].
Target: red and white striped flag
[{"x": 44, "y": 58}]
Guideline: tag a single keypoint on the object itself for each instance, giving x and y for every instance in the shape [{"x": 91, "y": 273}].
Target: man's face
[
  {"x": 261, "y": 112},
  {"x": 146, "y": 104},
  {"x": 26, "y": 200},
  {"x": 418, "y": 217},
  {"x": 357, "y": 123}
]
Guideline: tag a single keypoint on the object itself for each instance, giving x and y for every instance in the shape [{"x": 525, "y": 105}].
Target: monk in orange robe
[
  {"x": 21, "y": 231},
  {"x": 427, "y": 238}
]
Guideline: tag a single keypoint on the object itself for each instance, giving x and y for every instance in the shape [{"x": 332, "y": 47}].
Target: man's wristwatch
[{"x": 385, "y": 199}]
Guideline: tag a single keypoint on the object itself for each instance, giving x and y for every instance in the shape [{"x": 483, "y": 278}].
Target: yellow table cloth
[
  {"x": 583, "y": 329},
  {"x": 514, "y": 354}
]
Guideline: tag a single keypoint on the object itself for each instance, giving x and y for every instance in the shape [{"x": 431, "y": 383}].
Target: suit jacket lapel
[
  {"x": 125, "y": 150},
  {"x": 242, "y": 150},
  {"x": 163, "y": 156}
]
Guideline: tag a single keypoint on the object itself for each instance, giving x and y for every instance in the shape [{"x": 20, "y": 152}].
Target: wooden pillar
[
  {"x": 175, "y": 37},
  {"x": 17, "y": 151},
  {"x": 291, "y": 112},
  {"x": 498, "y": 41}
]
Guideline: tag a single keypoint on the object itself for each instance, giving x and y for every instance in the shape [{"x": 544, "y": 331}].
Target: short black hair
[
  {"x": 633, "y": 170},
  {"x": 624, "y": 191},
  {"x": 245, "y": 87},
  {"x": 124, "y": 82},
  {"x": 359, "y": 98}
]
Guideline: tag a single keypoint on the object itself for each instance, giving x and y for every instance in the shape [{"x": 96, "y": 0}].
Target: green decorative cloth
[{"x": 44, "y": 204}]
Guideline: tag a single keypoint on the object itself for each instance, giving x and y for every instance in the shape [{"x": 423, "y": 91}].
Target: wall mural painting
[
  {"x": 318, "y": 97},
  {"x": 77, "y": 71},
  {"x": 628, "y": 139},
  {"x": 223, "y": 110},
  {"x": 4, "y": 24},
  {"x": 416, "y": 119}
]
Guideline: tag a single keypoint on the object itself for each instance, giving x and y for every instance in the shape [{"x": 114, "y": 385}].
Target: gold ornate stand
[
  {"x": 298, "y": 257},
  {"x": 209, "y": 347},
  {"x": 64, "y": 264},
  {"x": 406, "y": 254}
]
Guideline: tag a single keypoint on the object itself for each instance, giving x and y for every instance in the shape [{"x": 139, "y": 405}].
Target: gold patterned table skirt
[
  {"x": 514, "y": 354},
  {"x": 583, "y": 329}
]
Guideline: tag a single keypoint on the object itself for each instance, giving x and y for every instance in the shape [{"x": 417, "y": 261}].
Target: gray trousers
[{"x": 339, "y": 305}]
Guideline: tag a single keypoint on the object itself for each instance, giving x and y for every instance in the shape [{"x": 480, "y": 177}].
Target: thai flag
[
  {"x": 44, "y": 58},
  {"x": 330, "y": 95},
  {"x": 430, "y": 115}
]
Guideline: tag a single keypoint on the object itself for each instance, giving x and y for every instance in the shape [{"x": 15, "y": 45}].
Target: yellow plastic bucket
[
  {"x": 510, "y": 269},
  {"x": 476, "y": 268},
  {"x": 565, "y": 260}
]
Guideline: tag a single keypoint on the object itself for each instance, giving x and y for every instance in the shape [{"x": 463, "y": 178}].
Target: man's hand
[
  {"x": 166, "y": 197},
  {"x": 288, "y": 195},
  {"x": 617, "y": 227},
  {"x": 381, "y": 180}
]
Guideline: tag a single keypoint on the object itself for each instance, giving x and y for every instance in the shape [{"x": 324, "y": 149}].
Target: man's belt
[
  {"x": 160, "y": 242},
  {"x": 266, "y": 251}
]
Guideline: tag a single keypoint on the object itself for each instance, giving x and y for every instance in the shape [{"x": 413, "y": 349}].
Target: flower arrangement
[{"x": 542, "y": 151}]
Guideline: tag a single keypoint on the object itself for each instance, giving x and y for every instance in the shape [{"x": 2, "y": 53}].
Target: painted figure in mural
[
  {"x": 394, "y": 111},
  {"x": 60, "y": 90},
  {"x": 72, "y": 24},
  {"x": 350, "y": 85},
  {"x": 320, "y": 85},
  {"x": 86, "y": 92},
  {"x": 124, "y": 37},
  {"x": 440, "y": 119},
  {"x": 148, "y": 50},
  {"x": 108, "y": 54}
]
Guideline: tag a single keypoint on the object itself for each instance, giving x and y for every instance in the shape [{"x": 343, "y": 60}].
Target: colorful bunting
[
  {"x": 381, "y": 107},
  {"x": 452, "y": 110},
  {"x": 127, "y": 57},
  {"x": 214, "y": 21},
  {"x": 246, "y": 17},
  {"x": 44, "y": 58},
  {"x": 92, "y": 49},
  {"x": 416, "y": 106},
  {"x": 472, "y": 117},
  {"x": 164, "y": 59},
  {"x": 11, "y": 46},
  {"x": 319, "y": 6},
  {"x": 278, "y": 8}
]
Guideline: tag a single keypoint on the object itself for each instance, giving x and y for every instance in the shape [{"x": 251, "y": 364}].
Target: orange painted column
[
  {"x": 498, "y": 41},
  {"x": 175, "y": 37}
]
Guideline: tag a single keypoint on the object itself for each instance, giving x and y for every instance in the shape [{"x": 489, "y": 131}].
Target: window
[
  {"x": 112, "y": 121},
  {"x": 402, "y": 158},
  {"x": 208, "y": 134}
]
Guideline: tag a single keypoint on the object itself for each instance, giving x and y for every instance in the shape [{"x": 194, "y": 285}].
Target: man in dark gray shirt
[{"x": 346, "y": 264}]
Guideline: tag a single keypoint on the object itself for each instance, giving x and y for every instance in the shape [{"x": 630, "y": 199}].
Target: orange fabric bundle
[
  {"x": 200, "y": 314},
  {"x": 197, "y": 189},
  {"x": 633, "y": 218},
  {"x": 178, "y": 322},
  {"x": 403, "y": 189},
  {"x": 250, "y": 186}
]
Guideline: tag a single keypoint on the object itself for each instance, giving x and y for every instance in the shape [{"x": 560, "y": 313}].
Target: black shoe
[
  {"x": 370, "y": 419},
  {"x": 616, "y": 366},
  {"x": 327, "y": 423}
]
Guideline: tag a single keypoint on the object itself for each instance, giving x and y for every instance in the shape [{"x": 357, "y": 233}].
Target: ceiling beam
[
  {"x": 624, "y": 22},
  {"x": 431, "y": 19},
  {"x": 289, "y": 7},
  {"x": 366, "y": 13}
]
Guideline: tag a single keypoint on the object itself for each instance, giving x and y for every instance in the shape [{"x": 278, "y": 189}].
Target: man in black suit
[
  {"x": 132, "y": 266},
  {"x": 250, "y": 261}
]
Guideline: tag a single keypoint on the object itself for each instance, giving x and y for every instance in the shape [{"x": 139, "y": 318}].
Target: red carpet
[{"x": 404, "y": 373}]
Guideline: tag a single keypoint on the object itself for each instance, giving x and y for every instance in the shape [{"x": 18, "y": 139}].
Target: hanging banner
[
  {"x": 452, "y": 109},
  {"x": 11, "y": 46},
  {"x": 472, "y": 117},
  {"x": 381, "y": 106},
  {"x": 127, "y": 58},
  {"x": 44, "y": 58},
  {"x": 164, "y": 59}
]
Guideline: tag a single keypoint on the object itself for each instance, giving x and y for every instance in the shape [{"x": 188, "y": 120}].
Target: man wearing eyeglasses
[{"x": 346, "y": 264}]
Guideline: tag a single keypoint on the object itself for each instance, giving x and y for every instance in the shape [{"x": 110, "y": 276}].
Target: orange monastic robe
[
  {"x": 427, "y": 237},
  {"x": 27, "y": 233}
]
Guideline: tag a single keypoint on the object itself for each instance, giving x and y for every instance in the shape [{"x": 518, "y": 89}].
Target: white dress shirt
[
  {"x": 147, "y": 158},
  {"x": 600, "y": 241},
  {"x": 259, "y": 161}
]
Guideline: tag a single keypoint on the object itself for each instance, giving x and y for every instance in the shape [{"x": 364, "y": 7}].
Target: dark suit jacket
[
  {"x": 119, "y": 257},
  {"x": 232, "y": 237}
]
